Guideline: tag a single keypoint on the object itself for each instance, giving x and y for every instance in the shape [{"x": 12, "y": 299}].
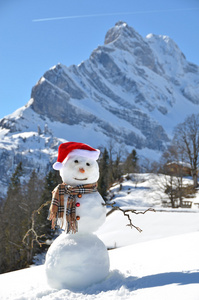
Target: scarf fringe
[
  {"x": 52, "y": 216},
  {"x": 72, "y": 227}
]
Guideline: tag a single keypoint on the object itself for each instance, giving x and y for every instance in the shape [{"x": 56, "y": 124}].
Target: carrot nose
[{"x": 81, "y": 170}]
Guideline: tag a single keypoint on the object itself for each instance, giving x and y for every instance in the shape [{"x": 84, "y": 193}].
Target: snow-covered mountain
[{"x": 132, "y": 90}]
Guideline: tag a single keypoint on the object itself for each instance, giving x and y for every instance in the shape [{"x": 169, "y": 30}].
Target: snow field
[
  {"x": 160, "y": 263},
  {"x": 159, "y": 269}
]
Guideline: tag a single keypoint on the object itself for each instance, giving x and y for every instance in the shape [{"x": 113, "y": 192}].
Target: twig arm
[{"x": 126, "y": 213}]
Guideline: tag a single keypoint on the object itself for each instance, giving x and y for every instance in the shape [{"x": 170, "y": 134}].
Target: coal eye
[
  {"x": 87, "y": 164},
  {"x": 76, "y": 161}
]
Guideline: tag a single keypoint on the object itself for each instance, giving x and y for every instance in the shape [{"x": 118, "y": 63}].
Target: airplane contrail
[{"x": 115, "y": 14}]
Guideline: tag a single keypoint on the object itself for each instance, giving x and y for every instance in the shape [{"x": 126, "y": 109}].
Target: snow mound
[
  {"x": 158, "y": 269},
  {"x": 76, "y": 261}
]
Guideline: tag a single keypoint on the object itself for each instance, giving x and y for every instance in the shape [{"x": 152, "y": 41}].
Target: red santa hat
[{"x": 69, "y": 149}]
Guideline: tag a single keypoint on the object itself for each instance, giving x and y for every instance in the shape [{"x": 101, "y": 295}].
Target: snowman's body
[
  {"x": 91, "y": 211},
  {"x": 77, "y": 260}
]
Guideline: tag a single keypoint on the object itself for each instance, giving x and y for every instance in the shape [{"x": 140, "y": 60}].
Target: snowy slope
[
  {"x": 160, "y": 269},
  {"x": 159, "y": 263}
]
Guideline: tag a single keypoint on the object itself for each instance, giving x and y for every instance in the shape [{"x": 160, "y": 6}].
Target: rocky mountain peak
[
  {"x": 120, "y": 30},
  {"x": 171, "y": 58},
  {"x": 166, "y": 47}
]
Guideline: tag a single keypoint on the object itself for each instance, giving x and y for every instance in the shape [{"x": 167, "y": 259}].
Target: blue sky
[{"x": 29, "y": 46}]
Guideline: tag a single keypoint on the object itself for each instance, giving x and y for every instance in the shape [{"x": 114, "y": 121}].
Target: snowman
[{"x": 77, "y": 258}]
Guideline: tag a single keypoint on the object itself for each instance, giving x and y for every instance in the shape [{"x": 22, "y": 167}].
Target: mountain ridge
[{"x": 132, "y": 90}]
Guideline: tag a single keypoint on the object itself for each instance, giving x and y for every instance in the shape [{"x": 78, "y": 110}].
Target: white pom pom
[{"x": 57, "y": 166}]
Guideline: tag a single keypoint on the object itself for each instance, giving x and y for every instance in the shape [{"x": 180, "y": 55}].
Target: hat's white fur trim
[
  {"x": 84, "y": 153},
  {"x": 57, "y": 166}
]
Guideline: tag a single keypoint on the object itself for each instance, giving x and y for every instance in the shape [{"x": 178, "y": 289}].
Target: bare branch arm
[{"x": 126, "y": 213}]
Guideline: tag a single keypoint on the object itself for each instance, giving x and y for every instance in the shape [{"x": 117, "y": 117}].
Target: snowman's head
[
  {"x": 77, "y": 163},
  {"x": 79, "y": 170}
]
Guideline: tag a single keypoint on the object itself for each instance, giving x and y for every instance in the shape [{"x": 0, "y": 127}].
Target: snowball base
[{"x": 75, "y": 261}]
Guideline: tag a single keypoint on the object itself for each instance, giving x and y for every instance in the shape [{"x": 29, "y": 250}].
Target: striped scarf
[{"x": 57, "y": 204}]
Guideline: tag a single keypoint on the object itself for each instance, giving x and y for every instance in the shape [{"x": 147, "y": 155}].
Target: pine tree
[
  {"x": 103, "y": 182},
  {"x": 2, "y": 239},
  {"x": 43, "y": 226},
  {"x": 32, "y": 201},
  {"x": 131, "y": 163},
  {"x": 12, "y": 224},
  {"x": 15, "y": 179},
  {"x": 117, "y": 170}
]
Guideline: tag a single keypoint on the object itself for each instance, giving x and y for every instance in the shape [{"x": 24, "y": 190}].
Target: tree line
[
  {"x": 15, "y": 218},
  {"x": 24, "y": 198}
]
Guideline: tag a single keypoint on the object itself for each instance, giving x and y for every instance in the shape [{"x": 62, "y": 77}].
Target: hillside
[
  {"x": 159, "y": 263},
  {"x": 132, "y": 90}
]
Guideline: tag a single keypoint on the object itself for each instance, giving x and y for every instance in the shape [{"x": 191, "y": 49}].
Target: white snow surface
[{"x": 159, "y": 263}]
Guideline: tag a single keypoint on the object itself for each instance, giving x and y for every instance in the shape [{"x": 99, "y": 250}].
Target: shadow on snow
[{"x": 116, "y": 280}]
